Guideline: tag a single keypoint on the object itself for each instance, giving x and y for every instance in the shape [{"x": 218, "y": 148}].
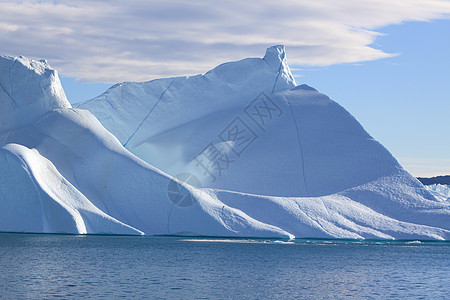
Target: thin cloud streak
[{"x": 133, "y": 40}]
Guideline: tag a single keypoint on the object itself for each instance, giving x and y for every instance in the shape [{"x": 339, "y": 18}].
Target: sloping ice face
[
  {"x": 262, "y": 157},
  {"x": 244, "y": 126}
]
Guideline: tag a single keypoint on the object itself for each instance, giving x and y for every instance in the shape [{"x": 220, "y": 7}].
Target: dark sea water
[{"x": 109, "y": 267}]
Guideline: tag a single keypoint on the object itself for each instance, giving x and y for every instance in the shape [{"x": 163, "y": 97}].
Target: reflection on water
[{"x": 44, "y": 266}]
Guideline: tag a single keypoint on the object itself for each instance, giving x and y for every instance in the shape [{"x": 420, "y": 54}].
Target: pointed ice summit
[
  {"x": 239, "y": 151},
  {"x": 128, "y": 109}
]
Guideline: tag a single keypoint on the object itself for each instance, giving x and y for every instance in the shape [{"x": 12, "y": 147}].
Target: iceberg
[
  {"x": 299, "y": 142},
  {"x": 440, "y": 191},
  {"x": 240, "y": 151}
]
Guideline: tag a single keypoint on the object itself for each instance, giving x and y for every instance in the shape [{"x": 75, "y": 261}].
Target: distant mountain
[{"x": 445, "y": 179}]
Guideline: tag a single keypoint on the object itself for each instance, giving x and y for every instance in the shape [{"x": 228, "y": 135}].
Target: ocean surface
[{"x": 109, "y": 267}]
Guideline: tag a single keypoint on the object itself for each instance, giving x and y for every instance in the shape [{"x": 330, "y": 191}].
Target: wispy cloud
[{"x": 112, "y": 41}]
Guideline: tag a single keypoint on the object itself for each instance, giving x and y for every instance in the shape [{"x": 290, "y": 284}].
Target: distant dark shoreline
[{"x": 433, "y": 180}]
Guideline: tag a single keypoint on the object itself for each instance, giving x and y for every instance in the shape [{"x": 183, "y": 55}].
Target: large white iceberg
[
  {"x": 261, "y": 156},
  {"x": 440, "y": 191}
]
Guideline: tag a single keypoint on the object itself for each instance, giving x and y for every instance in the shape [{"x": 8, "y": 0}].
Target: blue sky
[{"x": 386, "y": 61}]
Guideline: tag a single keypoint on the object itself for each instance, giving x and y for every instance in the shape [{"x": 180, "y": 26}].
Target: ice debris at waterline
[{"x": 239, "y": 151}]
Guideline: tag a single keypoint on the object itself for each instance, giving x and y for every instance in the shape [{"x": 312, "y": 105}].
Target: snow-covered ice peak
[
  {"x": 276, "y": 57},
  {"x": 28, "y": 89}
]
